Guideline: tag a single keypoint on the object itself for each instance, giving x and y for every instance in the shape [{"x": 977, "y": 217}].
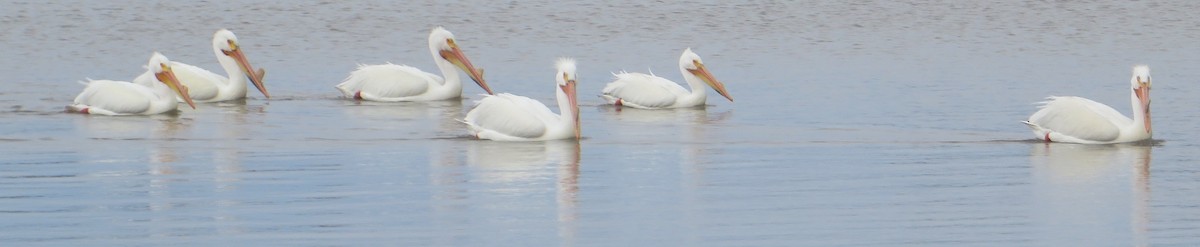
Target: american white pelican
[
  {"x": 107, "y": 97},
  {"x": 1080, "y": 120},
  {"x": 206, "y": 86},
  {"x": 390, "y": 82},
  {"x": 507, "y": 117},
  {"x": 644, "y": 91}
]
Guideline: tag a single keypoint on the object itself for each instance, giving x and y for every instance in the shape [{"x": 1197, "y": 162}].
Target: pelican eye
[{"x": 232, "y": 47}]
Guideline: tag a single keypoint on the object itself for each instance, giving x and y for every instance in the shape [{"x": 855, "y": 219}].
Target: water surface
[{"x": 856, "y": 124}]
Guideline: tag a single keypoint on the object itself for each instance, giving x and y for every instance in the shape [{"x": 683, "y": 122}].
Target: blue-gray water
[{"x": 856, "y": 124}]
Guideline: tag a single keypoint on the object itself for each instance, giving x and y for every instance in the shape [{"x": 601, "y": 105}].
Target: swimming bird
[
  {"x": 206, "y": 86},
  {"x": 390, "y": 82},
  {"x": 644, "y": 91},
  {"x": 1079, "y": 120},
  {"x": 107, "y": 97},
  {"x": 507, "y": 117}
]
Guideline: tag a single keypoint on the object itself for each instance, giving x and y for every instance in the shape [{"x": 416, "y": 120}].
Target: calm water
[{"x": 856, "y": 124}]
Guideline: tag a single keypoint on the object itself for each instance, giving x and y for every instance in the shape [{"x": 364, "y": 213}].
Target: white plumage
[
  {"x": 107, "y": 97},
  {"x": 206, "y": 86},
  {"x": 1080, "y": 120},
  {"x": 652, "y": 92},
  {"x": 391, "y": 82},
  {"x": 507, "y": 117}
]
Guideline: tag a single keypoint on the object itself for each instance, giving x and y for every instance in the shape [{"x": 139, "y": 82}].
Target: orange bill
[
  {"x": 1143, "y": 95},
  {"x": 455, "y": 56},
  {"x": 569, "y": 89},
  {"x": 167, "y": 76},
  {"x": 256, "y": 77},
  {"x": 707, "y": 77}
]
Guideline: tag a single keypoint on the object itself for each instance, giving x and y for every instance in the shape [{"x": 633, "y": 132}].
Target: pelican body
[
  {"x": 1079, "y": 120},
  {"x": 107, "y": 97},
  {"x": 644, "y": 91},
  {"x": 206, "y": 86},
  {"x": 507, "y": 117},
  {"x": 391, "y": 82}
]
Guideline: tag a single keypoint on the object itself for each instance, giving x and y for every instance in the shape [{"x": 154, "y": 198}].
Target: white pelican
[
  {"x": 1080, "y": 120},
  {"x": 644, "y": 91},
  {"x": 206, "y": 86},
  {"x": 107, "y": 97},
  {"x": 507, "y": 117},
  {"x": 390, "y": 82}
]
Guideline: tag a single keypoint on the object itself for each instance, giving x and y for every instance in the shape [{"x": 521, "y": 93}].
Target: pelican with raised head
[
  {"x": 390, "y": 82},
  {"x": 507, "y": 117},
  {"x": 645, "y": 91},
  {"x": 206, "y": 86},
  {"x": 1079, "y": 120},
  {"x": 107, "y": 97}
]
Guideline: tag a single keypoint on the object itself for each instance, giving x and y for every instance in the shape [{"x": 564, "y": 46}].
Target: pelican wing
[
  {"x": 510, "y": 115},
  {"x": 115, "y": 96},
  {"x": 202, "y": 84},
  {"x": 388, "y": 81},
  {"x": 644, "y": 90},
  {"x": 1080, "y": 118}
]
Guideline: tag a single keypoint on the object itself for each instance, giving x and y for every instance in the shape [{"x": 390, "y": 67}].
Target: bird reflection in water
[
  {"x": 1141, "y": 197},
  {"x": 567, "y": 194},
  {"x": 235, "y": 141},
  {"x": 1080, "y": 187},
  {"x": 413, "y": 118},
  {"x": 518, "y": 162},
  {"x": 697, "y": 115},
  {"x": 684, "y": 136},
  {"x": 160, "y": 131},
  {"x": 162, "y": 155},
  {"x": 232, "y": 143},
  {"x": 688, "y": 126},
  {"x": 157, "y": 136}
]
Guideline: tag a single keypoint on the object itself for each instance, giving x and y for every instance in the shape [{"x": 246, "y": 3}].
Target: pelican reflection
[
  {"x": 524, "y": 162},
  {"x": 441, "y": 115},
  {"x": 694, "y": 114},
  {"x": 1079, "y": 189}
]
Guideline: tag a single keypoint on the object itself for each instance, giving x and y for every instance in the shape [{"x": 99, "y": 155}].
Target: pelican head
[
  {"x": 1140, "y": 83},
  {"x": 691, "y": 63},
  {"x": 566, "y": 83},
  {"x": 227, "y": 43},
  {"x": 442, "y": 43},
  {"x": 161, "y": 67}
]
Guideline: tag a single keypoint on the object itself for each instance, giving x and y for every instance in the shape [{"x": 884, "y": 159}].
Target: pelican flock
[
  {"x": 390, "y": 82},
  {"x": 645, "y": 91},
  {"x": 1079, "y": 120},
  {"x": 507, "y": 117},
  {"x": 206, "y": 86},
  {"x": 105, "y": 97}
]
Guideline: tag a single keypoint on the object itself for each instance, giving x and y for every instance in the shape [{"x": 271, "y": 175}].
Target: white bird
[
  {"x": 507, "y": 117},
  {"x": 390, "y": 82},
  {"x": 206, "y": 86},
  {"x": 107, "y": 97},
  {"x": 1080, "y": 120},
  {"x": 644, "y": 91}
]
